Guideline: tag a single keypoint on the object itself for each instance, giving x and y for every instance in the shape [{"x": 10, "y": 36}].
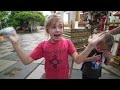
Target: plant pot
[{"x": 1, "y": 38}]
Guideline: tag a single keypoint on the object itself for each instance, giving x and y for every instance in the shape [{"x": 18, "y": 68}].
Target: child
[
  {"x": 55, "y": 50},
  {"x": 92, "y": 69}
]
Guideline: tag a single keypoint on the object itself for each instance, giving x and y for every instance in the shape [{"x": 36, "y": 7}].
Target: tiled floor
[
  {"x": 12, "y": 68},
  {"x": 5, "y": 64}
]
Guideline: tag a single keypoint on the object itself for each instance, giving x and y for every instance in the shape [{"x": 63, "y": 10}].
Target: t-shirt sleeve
[
  {"x": 38, "y": 52},
  {"x": 71, "y": 47}
]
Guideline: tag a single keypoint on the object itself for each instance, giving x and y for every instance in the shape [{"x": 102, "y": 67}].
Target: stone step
[
  {"x": 112, "y": 69},
  {"x": 37, "y": 73},
  {"x": 18, "y": 71}
]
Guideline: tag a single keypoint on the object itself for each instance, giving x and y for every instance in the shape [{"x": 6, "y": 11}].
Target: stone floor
[{"x": 12, "y": 68}]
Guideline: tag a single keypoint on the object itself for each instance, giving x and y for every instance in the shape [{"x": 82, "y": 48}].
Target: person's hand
[
  {"x": 108, "y": 54},
  {"x": 95, "y": 57},
  {"x": 10, "y": 33},
  {"x": 13, "y": 38},
  {"x": 95, "y": 38}
]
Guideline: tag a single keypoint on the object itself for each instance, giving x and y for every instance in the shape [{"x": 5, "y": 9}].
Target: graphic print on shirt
[
  {"x": 55, "y": 62},
  {"x": 96, "y": 64}
]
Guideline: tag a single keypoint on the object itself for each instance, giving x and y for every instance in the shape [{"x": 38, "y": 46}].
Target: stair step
[{"x": 112, "y": 69}]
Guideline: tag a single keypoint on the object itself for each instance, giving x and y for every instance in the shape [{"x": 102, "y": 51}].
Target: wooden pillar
[
  {"x": 77, "y": 15},
  {"x": 69, "y": 20},
  {"x": 72, "y": 19},
  {"x": 77, "y": 18}
]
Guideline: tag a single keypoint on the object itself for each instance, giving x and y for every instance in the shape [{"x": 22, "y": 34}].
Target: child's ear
[{"x": 47, "y": 31}]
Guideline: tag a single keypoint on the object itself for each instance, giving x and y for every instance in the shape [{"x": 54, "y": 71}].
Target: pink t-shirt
[{"x": 56, "y": 57}]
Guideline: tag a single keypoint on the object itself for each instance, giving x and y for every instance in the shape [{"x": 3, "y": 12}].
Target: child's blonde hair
[
  {"x": 108, "y": 40},
  {"x": 51, "y": 20}
]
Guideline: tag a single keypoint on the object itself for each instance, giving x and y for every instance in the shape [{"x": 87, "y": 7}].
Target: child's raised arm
[
  {"x": 92, "y": 41},
  {"x": 20, "y": 52},
  {"x": 115, "y": 30},
  {"x": 10, "y": 33}
]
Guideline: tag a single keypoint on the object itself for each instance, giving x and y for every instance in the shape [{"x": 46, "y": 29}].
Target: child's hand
[
  {"x": 13, "y": 38},
  {"x": 8, "y": 31},
  {"x": 107, "y": 54},
  {"x": 95, "y": 38},
  {"x": 95, "y": 57}
]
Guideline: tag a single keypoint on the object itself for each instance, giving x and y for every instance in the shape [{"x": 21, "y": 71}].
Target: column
[
  {"x": 68, "y": 17},
  {"x": 77, "y": 18},
  {"x": 72, "y": 19}
]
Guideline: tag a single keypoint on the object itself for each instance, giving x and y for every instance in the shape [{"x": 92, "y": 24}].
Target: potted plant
[{"x": 1, "y": 38}]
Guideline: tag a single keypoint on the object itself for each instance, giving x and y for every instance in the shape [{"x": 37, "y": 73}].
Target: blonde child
[{"x": 55, "y": 50}]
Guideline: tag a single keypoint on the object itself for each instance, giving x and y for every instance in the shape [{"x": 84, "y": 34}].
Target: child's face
[
  {"x": 56, "y": 30},
  {"x": 102, "y": 47}
]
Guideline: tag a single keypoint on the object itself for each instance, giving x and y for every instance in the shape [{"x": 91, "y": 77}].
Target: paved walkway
[{"x": 12, "y": 68}]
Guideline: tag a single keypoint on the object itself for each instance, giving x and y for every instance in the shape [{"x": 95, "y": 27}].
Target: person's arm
[
  {"x": 78, "y": 58},
  {"x": 82, "y": 57},
  {"x": 115, "y": 30},
  {"x": 92, "y": 41},
  {"x": 94, "y": 57},
  {"x": 21, "y": 54}
]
